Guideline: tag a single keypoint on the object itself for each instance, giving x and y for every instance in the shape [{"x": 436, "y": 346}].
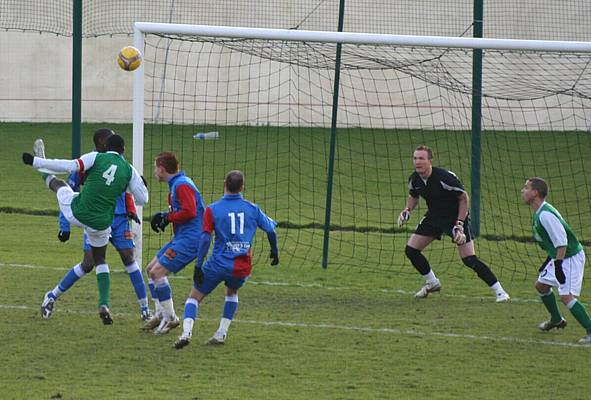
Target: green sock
[
  {"x": 580, "y": 314},
  {"x": 550, "y": 302},
  {"x": 104, "y": 286}
]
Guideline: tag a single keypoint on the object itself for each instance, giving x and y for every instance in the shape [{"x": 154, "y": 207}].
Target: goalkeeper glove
[
  {"x": 28, "y": 158},
  {"x": 404, "y": 216},
  {"x": 457, "y": 233},
  {"x": 63, "y": 236},
  {"x": 274, "y": 256},
  {"x": 559, "y": 272},
  {"x": 144, "y": 181},
  {"x": 133, "y": 216},
  {"x": 159, "y": 221}
]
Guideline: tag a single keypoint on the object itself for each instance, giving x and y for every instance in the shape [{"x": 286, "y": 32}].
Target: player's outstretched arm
[{"x": 80, "y": 164}]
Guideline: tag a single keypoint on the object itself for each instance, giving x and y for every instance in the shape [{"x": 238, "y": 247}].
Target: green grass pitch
[{"x": 300, "y": 332}]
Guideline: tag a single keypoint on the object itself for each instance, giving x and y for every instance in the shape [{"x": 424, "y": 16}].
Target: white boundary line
[
  {"x": 296, "y": 284},
  {"x": 361, "y": 329}
]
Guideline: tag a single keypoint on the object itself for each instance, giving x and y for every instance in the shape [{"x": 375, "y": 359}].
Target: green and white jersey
[
  {"x": 551, "y": 231},
  {"x": 106, "y": 177}
]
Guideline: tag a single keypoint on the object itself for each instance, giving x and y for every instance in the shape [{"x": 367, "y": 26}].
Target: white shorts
[
  {"x": 573, "y": 267},
  {"x": 65, "y": 195}
]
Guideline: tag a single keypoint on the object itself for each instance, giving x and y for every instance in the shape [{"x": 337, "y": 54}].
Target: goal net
[{"x": 268, "y": 95}]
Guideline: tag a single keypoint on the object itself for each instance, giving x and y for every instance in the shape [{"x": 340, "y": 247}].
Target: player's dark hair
[
  {"x": 540, "y": 186},
  {"x": 116, "y": 143},
  {"x": 234, "y": 181},
  {"x": 101, "y": 135},
  {"x": 168, "y": 160},
  {"x": 427, "y": 149}
]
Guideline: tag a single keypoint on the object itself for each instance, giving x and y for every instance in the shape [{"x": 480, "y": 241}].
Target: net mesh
[
  {"x": 271, "y": 103},
  {"x": 527, "y": 19}
]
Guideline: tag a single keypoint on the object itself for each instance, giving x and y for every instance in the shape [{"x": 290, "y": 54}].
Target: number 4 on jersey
[{"x": 109, "y": 174}]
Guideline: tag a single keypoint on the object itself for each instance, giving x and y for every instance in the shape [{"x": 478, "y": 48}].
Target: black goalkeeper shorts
[{"x": 438, "y": 226}]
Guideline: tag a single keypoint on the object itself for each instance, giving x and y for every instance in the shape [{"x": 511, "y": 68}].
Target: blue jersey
[
  {"x": 234, "y": 221},
  {"x": 74, "y": 180},
  {"x": 186, "y": 207}
]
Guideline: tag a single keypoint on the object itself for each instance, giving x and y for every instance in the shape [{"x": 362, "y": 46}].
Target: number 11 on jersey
[{"x": 233, "y": 222}]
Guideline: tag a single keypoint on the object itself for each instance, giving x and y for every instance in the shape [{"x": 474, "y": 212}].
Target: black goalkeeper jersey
[{"x": 441, "y": 192}]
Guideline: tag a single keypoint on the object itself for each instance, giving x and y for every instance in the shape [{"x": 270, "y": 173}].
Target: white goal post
[{"x": 143, "y": 28}]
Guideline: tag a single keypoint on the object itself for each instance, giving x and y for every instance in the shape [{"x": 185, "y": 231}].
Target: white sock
[
  {"x": 497, "y": 288},
  {"x": 157, "y": 308},
  {"x": 188, "y": 326},
  {"x": 56, "y": 291},
  {"x": 168, "y": 309},
  {"x": 224, "y": 325},
  {"x": 430, "y": 277}
]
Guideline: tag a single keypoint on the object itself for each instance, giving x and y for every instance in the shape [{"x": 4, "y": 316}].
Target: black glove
[
  {"x": 198, "y": 276},
  {"x": 546, "y": 261},
  {"x": 559, "y": 272},
  {"x": 28, "y": 158},
  {"x": 63, "y": 236},
  {"x": 159, "y": 222},
  {"x": 274, "y": 256},
  {"x": 144, "y": 180},
  {"x": 133, "y": 216}
]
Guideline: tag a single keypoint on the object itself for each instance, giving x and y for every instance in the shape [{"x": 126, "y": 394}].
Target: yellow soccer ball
[{"x": 129, "y": 58}]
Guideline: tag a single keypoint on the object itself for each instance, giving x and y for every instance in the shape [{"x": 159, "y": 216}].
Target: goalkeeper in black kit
[{"x": 447, "y": 213}]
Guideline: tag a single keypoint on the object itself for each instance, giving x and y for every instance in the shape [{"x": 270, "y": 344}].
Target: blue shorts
[
  {"x": 176, "y": 254},
  {"x": 121, "y": 235},
  {"x": 214, "y": 274}
]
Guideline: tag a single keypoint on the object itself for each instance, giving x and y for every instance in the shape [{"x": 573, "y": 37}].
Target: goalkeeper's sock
[
  {"x": 580, "y": 314},
  {"x": 230, "y": 307},
  {"x": 103, "y": 278},
  {"x": 190, "y": 315},
  {"x": 430, "y": 277},
  {"x": 164, "y": 293},
  {"x": 497, "y": 288},
  {"x": 137, "y": 281},
  {"x": 417, "y": 260},
  {"x": 68, "y": 280},
  {"x": 550, "y": 302},
  {"x": 157, "y": 306}
]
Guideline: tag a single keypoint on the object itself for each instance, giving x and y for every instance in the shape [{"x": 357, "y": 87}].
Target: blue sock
[
  {"x": 230, "y": 307},
  {"x": 152, "y": 289},
  {"x": 71, "y": 277},
  {"x": 137, "y": 280},
  {"x": 191, "y": 309},
  {"x": 163, "y": 290}
]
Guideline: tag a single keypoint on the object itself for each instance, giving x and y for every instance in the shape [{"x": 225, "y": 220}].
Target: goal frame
[{"x": 142, "y": 28}]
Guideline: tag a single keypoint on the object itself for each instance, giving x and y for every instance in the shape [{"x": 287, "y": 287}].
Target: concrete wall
[
  {"x": 36, "y": 83},
  {"x": 35, "y": 70}
]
